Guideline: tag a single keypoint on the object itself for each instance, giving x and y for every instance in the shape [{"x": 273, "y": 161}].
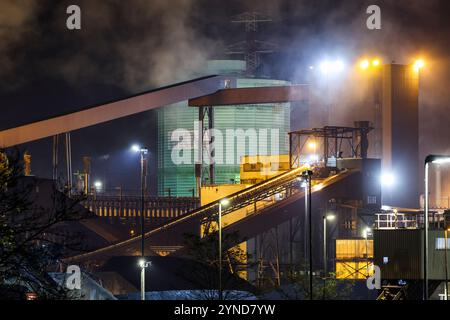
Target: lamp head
[
  {"x": 143, "y": 263},
  {"x": 98, "y": 184},
  {"x": 437, "y": 159},
  {"x": 364, "y": 64},
  {"x": 419, "y": 64},
  {"x": 135, "y": 148},
  {"x": 388, "y": 179},
  {"x": 366, "y": 232}
]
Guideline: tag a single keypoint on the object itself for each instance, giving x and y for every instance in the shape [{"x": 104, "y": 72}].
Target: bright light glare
[
  {"x": 385, "y": 208},
  {"x": 330, "y": 217},
  {"x": 224, "y": 202},
  {"x": 376, "y": 63},
  {"x": 98, "y": 184},
  {"x": 332, "y": 66},
  {"x": 419, "y": 64},
  {"x": 135, "y": 148},
  {"x": 142, "y": 263},
  {"x": 338, "y": 66},
  {"x": 312, "y": 145},
  {"x": 325, "y": 67},
  {"x": 364, "y": 64},
  {"x": 366, "y": 232},
  {"x": 387, "y": 179}
]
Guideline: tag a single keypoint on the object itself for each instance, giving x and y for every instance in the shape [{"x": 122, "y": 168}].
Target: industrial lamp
[
  {"x": 222, "y": 202},
  {"x": 143, "y": 264},
  {"x": 142, "y": 151}
]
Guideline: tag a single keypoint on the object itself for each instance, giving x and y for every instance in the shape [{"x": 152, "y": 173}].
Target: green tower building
[{"x": 270, "y": 123}]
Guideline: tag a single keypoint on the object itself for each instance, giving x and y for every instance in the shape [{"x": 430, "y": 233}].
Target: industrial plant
[{"x": 247, "y": 186}]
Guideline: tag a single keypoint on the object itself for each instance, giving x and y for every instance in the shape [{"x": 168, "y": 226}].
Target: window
[{"x": 371, "y": 199}]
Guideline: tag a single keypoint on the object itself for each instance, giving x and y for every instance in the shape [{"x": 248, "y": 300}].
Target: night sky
[{"x": 125, "y": 47}]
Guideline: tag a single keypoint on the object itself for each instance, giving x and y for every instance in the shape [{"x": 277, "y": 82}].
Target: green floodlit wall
[{"x": 180, "y": 179}]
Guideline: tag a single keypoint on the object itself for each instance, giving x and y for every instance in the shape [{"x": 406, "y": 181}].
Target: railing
[
  {"x": 393, "y": 221},
  {"x": 276, "y": 194},
  {"x": 397, "y": 220},
  {"x": 237, "y": 200},
  {"x": 262, "y": 192},
  {"x": 130, "y": 206}
]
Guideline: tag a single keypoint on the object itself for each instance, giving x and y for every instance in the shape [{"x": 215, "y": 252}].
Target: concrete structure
[{"x": 400, "y": 134}]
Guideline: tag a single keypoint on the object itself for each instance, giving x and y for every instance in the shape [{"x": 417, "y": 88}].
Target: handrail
[
  {"x": 277, "y": 182},
  {"x": 205, "y": 210},
  {"x": 323, "y": 184}
]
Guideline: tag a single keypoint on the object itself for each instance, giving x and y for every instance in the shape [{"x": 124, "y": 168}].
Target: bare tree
[{"x": 33, "y": 237}]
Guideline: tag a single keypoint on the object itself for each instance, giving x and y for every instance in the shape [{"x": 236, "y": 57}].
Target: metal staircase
[{"x": 393, "y": 293}]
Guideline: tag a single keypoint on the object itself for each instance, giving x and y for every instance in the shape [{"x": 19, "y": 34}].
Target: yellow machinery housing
[{"x": 354, "y": 258}]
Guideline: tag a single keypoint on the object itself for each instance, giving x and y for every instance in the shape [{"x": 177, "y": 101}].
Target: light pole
[
  {"x": 222, "y": 202},
  {"x": 98, "y": 186},
  {"x": 446, "y": 263},
  {"x": 143, "y": 152},
  {"x": 306, "y": 175},
  {"x": 329, "y": 217},
  {"x": 304, "y": 184},
  {"x": 143, "y": 264},
  {"x": 436, "y": 159}
]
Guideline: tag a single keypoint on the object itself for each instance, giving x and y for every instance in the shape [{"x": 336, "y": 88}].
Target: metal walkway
[{"x": 286, "y": 183}]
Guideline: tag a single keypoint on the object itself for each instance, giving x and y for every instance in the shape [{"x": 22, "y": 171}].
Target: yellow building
[
  {"x": 255, "y": 169},
  {"x": 354, "y": 258}
]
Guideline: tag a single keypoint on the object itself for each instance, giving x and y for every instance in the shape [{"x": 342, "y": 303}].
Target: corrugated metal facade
[
  {"x": 397, "y": 253},
  {"x": 403, "y": 250},
  {"x": 181, "y": 178}
]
